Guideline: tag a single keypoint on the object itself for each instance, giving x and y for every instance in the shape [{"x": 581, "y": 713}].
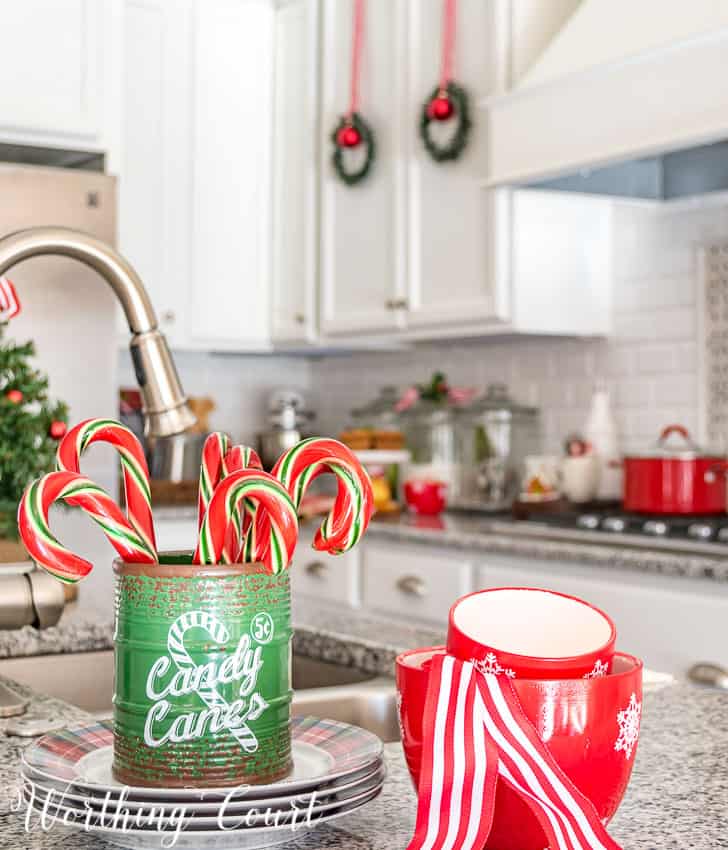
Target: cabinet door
[
  {"x": 154, "y": 184},
  {"x": 362, "y": 226},
  {"x": 295, "y": 171},
  {"x": 231, "y": 187},
  {"x": 52, "y": 53},
  {"x": 455, "y": 226}
]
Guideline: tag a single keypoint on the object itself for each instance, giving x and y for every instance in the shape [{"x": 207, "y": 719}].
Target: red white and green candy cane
[
  {"x": 348, "y": 519},
  {"x": 76, "y": 490},
  {"x": 214, "y": 450},
  {"x": 272, "y": 500},
  {"x": 133, "y": 462},
  {"x": 239, "y": 457}
]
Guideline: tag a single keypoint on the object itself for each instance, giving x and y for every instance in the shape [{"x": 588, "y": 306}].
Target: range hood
[{"x": 629, "y": 98}]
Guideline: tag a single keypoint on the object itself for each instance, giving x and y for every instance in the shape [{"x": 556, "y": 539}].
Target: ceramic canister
[{"x": 203, "y": 658}]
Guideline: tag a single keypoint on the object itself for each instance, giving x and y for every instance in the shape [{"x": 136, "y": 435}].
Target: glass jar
[
  {"x": 379, "y": 414},
  {"x": 429, "y": 428},
  {"x": 494, "y": 435}
]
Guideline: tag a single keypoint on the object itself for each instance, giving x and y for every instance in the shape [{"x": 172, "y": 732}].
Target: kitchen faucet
[{"x": 165, "y": 407}]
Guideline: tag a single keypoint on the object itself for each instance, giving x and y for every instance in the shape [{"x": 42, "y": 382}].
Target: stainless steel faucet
[{"x": 165, "y": 406}]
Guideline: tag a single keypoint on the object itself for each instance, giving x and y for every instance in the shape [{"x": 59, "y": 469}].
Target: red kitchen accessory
[
  {"x": 425, "y": 497},
  {"x": 589, "y": 727},
  {"x": 527, "y": 632},
  {"x": 675, "y": 479}
]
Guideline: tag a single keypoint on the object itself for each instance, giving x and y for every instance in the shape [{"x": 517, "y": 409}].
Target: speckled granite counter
[
  {"x": 324, "y": 631},
  {"x": 678, "y": 797},
  {"x": 504, "y": 537}
]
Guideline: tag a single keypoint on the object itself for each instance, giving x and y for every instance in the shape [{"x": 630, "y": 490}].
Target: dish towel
[{"x": 475, "y": 733}]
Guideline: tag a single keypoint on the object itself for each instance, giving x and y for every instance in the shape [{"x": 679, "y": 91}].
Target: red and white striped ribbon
[
  {"x": 475, "y": 733},
  {"x": 9, "y": 301}
]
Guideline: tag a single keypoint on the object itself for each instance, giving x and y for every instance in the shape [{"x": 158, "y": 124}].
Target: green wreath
[
  {"x": 459, "y": 99},
  {"x": 351, "y": 178}
]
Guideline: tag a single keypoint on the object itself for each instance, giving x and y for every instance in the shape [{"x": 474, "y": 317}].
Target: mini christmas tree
[{"x": 30, "y": 426}]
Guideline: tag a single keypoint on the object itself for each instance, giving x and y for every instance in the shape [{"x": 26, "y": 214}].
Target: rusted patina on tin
[{"x": 202, "y": 696}]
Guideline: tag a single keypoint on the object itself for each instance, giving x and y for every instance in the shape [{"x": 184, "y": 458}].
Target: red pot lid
[{"x": 675, "y": 442}]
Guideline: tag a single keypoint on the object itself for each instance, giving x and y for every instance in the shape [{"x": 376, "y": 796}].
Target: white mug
[{"x": 580, "y": 477}]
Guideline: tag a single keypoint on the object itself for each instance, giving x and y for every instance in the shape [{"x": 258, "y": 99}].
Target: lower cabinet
[
  {"x": 671, "y": 622},
  {"x": 325, "y": 577},
  {"x": 413, "y": 582}
]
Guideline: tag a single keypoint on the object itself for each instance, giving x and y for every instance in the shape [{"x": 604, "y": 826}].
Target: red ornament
[
  {"x": 440, "y": 108},
  {"x": 14, "y": 396},
  {"x": 58, "y": 429},
  {"x": 348, "y": 137}
]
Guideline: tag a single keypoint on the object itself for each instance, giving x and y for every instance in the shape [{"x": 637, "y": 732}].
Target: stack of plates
[{"x": 337, "y": 769}]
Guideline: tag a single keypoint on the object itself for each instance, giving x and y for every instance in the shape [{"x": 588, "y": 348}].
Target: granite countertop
[
  {"x": 504, "y": 536},
  {"x": 678, "y": 797},
  {"x": 322, "y": 630}
]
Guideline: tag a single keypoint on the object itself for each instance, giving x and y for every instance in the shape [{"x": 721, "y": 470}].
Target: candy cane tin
[{"x": 202, "y": 694}]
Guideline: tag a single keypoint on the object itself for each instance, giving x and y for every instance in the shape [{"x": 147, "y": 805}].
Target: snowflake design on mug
[
  {"x": 601, "y": 668},
  {"x": 490, "y": 666},
  {"x": 629, "y": 727}
]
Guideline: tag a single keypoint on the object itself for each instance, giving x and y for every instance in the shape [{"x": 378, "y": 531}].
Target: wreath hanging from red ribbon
[
  {"x": 353, "y": 138},
  {"x": 449, "y": 101}
]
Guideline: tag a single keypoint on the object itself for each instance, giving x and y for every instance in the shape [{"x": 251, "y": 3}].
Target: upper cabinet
[
  {"x": 53, "y": 54},
  {"x": 295, "y": 172},
  {"x": 363, "y": 254},
  {"x": 195, "y": 180},
  {"x": 423, "y": 249}
]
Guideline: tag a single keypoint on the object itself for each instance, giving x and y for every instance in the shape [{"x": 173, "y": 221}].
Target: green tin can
[{"x": 203, "y": 674}]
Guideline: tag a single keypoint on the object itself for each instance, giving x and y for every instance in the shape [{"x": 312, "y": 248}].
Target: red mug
[
  {"x": 425, "y": 496},
  {"x": 587, "y": 724},
  {"x": 531, "y": 633}
]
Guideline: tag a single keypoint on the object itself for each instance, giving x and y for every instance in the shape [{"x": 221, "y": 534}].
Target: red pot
[
  {"x": 576, "y": 718},
  {"x": 531, "y": 633},
  {"x": 675, "y": 480}
]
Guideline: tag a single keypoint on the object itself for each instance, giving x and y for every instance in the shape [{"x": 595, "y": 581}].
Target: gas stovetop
[{"x": 704, "y": 533}]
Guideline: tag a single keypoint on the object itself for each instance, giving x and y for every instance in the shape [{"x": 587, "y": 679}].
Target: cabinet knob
[
  {"x": 300, "y": 318},
  {"x": 412, "y": 586},
  {"x": 169, "y": 316},
  {"x": 316, "y": 569}
]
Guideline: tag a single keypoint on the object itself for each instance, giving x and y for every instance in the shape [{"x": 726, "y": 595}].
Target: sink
[{"x": 322, "y": 689}]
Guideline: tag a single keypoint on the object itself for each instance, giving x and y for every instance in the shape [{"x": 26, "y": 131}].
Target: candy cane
[
  {"x": 206, "y": 692},
  {"x": 354, "y": 505},
  {"x": 134, "y": 465},
  {"x": 9, "y": 301},
  {"x": 239, "y": 457},
  {"x": 273, "y": 502},
  {"x": 77, "y": 490},
  {"x": 211, "y": 470}
]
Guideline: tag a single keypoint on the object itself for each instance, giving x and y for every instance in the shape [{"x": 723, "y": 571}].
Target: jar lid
[{"x": 497, "y": 398}]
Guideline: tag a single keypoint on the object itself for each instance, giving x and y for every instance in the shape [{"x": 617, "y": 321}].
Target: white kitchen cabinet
[
  {"x": 154, "y": 175},
  {"x": 671, "y": 622},
  {"x": 295, "y": 172},
  {"x": 231, "y": 187},
  {"x": 451, "y": 260},
  {"x": 334, "y": 578},
  {"x": 413, "y": 582},
  {"x": 363, "y": 236},
  {"x": 53, "y": 58}
]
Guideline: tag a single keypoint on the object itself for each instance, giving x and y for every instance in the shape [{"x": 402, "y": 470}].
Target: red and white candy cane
[
  {"x": 271, "y": 498},
  {"x": 137, "y": 491},
  {"x": 76, "y": 490},
  {"x": 348, "y": 519},
  {"x": 9, "y": 301},
  {"x": 239, "y": 457},
  {"x": 214, "y": 450},
  {"x": 474, "y": 734}
]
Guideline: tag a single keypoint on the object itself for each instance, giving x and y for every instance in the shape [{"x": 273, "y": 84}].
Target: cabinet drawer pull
[
  {"x": 168, "y": 316},
  {"x": 316, "y": 569},
  {"x": 412, "y": 586},
  {"x": 396, "y": 303}
]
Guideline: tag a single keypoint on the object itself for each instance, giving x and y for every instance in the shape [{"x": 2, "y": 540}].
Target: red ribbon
[
  {"x": 475, "y": 734},
  {"x": 9, "y": 301},
  {"x": 449, "y": 28},
  {"x": 356, "y": 46}
]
